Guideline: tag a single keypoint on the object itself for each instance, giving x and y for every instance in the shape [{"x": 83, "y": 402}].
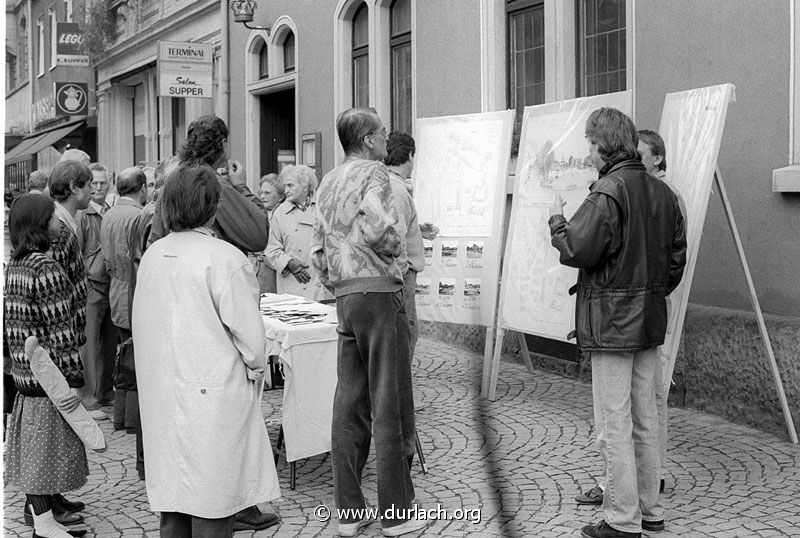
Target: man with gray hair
[
  {"x": 101, "y": 335},
  {"x": 354, "y": 250},
  {"x": 118, "y": 224},
  {"x": 37, "y": 182},
  {"x": 75, "y": 155}
]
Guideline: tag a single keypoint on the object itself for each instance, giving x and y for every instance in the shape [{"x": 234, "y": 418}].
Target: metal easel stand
[{"x": 787, "y": 414}]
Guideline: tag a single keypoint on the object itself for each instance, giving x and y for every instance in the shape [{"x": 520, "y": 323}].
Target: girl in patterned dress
[{"x": 44, "y": 456}]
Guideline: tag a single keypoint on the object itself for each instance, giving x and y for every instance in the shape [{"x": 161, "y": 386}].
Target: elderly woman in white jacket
[
  {"x": 200, "y": 357},
  {"x": 290, "y": 232}
]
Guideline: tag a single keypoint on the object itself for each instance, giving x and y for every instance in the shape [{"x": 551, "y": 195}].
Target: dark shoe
[
  {"x": 71, "y": 533},
  {"x": 252, "y": 519},
  {"x": 118, "y": 427},
  {"x": 60, "y": 515},
  {"x": 661, "y": 486},
  {"x": 604, "y": 530},
  {"x": 593, "y": 496},
  {"x": 653, "y": 526},
  {"x": 68, "y": 506}
]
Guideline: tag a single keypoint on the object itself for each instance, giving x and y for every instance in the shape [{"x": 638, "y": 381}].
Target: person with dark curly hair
[{"x": 241, "y": 217}]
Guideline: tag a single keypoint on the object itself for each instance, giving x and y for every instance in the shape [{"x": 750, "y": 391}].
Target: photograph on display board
[
  {"x": 474, "y": 255},
  {"x": 447, "y": 292},
  {"x": 428, "y": 249},
  {"x": 472, "y": 293},
  {"x": 553, "y": 159},
  {"x": 423, "y": 291},
  {"x": 449, "y": 253}
]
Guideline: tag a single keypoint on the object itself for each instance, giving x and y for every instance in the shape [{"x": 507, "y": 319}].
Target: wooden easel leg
[
  {"x": 498, "y": 349},
  {"x": 787, "y": 414},
  {"x": 526, "y": 355},
  {"x": 487, "y": 360}
]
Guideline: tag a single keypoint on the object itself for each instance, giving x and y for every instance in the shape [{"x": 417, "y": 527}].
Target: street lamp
[{"x": 243, "y": 12}]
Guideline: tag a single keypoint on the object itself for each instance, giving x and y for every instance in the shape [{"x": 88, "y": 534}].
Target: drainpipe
[{"x": 224, "y": 71}]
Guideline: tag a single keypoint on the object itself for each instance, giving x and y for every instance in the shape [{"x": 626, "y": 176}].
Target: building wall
[
  {"x": 43, "y": 85},
  {"x": 441, "y": 59},
  {"x": 713, "y": 46},
  {"x": 314, "y": 70},
  {"x": 130, "y": 61},
  {"x": 448, "y": 58},
  {"x": 18, "y": 111}
]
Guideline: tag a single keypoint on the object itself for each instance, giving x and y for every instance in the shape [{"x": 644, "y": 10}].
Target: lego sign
[
  {"x": 68, "y": 45},
  {"x": 185, "y": 70},
  {"x": 72, "y": 98}
]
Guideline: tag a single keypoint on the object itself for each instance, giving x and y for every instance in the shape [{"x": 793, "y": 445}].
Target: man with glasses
[
  {"x": 101, "y": 335},
  {"x": 354, "y": 250}
]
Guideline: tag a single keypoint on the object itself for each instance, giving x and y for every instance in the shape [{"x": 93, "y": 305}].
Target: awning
[{"x": 38, "y": 142}]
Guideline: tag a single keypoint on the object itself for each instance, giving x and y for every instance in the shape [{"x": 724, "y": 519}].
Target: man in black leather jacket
[{"x": 628, "y": 240}]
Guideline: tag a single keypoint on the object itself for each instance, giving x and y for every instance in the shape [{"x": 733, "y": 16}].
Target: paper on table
[{"x": 55, "y": 386}]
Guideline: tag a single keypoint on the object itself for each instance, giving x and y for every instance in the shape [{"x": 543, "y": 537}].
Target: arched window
[
  {"x": 400, "y": 15},
  {"x": 361, "y": 57},
  {"x": 263, "y": 61},
  {"x": 288, "y": 53}
]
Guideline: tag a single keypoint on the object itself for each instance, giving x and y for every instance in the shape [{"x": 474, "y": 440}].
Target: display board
[
  {"x": 460, "y": 171},
  {"x": 553, "y": 159},
  {"x": 691, "y": 126}
]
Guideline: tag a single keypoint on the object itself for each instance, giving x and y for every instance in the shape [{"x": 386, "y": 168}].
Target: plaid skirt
[{"x": 43, "y": 454}]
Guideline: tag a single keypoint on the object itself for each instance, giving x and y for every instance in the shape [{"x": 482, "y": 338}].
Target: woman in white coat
[
  {"x": 290, "y": 232},
  {"x": 200, "y": 358}
]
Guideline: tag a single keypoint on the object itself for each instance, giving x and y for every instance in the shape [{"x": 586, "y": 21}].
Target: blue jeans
[
  {"x": 626, "y": 420},
  {"x": 374, "y": 373}
]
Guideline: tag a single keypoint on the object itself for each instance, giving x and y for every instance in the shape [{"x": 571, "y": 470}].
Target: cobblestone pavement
[{"x": 520, "y": 459}]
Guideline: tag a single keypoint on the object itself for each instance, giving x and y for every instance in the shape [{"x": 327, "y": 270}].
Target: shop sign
[
  {"x": 72, "y": 98},
  {"x": 68, "y": 45},
  {"x": 185, "y": 70},
  {"x": 44, "y": 110}
]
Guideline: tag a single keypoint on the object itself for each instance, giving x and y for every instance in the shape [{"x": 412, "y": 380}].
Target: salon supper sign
[{"x": 185, "y": 70}]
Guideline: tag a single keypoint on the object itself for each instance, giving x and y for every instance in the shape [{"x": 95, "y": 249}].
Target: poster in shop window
[
  {"x": 459, "y": 177},
  {"x": 553, "y": 159}
]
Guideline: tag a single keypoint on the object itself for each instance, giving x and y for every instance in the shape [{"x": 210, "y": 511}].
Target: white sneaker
[
  {"x": 412, "y": 525},
  {"x": 352, "y": 529}
]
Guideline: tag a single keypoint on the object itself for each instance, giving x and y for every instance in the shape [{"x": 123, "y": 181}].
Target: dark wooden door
[{"x": 277, "y": 128}]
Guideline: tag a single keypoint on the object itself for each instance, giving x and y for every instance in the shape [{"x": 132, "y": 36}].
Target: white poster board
[
  {"x": 691, "y": 126},
  {"x": 553, "y": 159},
  {"x": 459, "y": 175}
]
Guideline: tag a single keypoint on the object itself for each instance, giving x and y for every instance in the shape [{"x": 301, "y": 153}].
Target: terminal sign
[{"x": 185, "y": 70}]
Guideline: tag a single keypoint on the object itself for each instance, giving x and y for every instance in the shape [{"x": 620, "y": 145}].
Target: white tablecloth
[{"x": 308, "y": 355}]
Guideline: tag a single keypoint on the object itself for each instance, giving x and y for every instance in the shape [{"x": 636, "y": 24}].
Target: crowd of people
[{"x": 163, "y": 278}]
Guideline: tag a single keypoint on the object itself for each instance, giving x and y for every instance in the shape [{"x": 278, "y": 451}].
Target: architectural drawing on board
[
  {"x": 452, "y": 166},
  {"x": 553, "y": 159}
]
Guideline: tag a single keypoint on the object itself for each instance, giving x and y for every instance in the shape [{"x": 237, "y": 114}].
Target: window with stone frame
[
  {"x": 401, "y": 68},
  {"x": 601, "y": 47},
  {"x": 360, "y": 56}
]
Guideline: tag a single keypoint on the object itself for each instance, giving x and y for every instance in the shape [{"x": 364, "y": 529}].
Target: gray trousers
[{"x": 373, "y": 399}]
